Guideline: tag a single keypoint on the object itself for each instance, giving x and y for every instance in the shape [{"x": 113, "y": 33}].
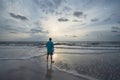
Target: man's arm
[{"x": 46, "y": 44}]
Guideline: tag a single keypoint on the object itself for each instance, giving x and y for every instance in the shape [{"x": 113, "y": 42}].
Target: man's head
[{"x": 50, "y": 39}]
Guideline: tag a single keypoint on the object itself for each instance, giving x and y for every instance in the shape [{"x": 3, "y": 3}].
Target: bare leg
[
  {"x": 47, "y": 57},
  {"x": 51, "y": 58}
]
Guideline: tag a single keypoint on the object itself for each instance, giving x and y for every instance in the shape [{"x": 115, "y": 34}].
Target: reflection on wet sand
[{"x": 49, "y": 71}]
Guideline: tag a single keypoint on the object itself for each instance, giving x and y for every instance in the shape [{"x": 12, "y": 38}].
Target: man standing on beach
[{"x": 50, "y": 49}]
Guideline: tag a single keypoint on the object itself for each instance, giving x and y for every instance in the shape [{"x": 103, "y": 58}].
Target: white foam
[
  {"x": 24, "y": 58},
  {"x": 73, "y": 72}
]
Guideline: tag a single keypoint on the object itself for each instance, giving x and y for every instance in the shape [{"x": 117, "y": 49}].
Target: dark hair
[{"x": 50, "y": 39}]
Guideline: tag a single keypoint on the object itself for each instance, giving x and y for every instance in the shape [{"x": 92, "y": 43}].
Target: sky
[{"x": 63, "y": 20}]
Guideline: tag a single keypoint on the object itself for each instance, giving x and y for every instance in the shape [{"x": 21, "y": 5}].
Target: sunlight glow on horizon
[{"x": 58, "y": 29}]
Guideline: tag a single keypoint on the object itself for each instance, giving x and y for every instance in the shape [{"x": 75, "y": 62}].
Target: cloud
[
  {"x": 13, "y": 32},
  {"x": 18, "y": 16},
  {"x": 107, "y": 19},
  {"x": 75, "y": 20},
  {"x": 58, "y": 2},
  {"x": 11, "y": 26},
  {"x": 115, "y": 29},
  {"x": 63, "y": 20},
  {"x": 94, "y": 20},
  {"x": 48, "y": 3},
  {"x": 66, "y": 8},
  {"x": 71, "y": 12},
  {"x": 35, "y": 30},
  {"x": 7, "y": 27},
  {"x": 78, "y": 13},
  {"x": 118, "y": 35},
  {"x": 118, "y": 22},
  {"x": 50, "y": 6},
  {"x": 1, "y": 6},
  {"x": 74, "y": 36},
  {"x": 83, "y": 24},
  {"x": 71, "y": 36}
]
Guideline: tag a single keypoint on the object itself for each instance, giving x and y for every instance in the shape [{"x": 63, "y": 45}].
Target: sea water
[{"x": 87, "y": 59}]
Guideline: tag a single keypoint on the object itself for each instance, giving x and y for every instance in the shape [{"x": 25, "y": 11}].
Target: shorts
[{"x": 49, "y": 53}]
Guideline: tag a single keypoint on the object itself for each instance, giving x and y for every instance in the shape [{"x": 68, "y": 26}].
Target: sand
[
  {"x": 32, "y": 69},
  {"x": 66, "y": 67}
]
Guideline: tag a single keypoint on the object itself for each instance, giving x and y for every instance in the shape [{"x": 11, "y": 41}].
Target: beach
[
  {"x": 31, "y": 69},
  {"x": 82, "y": 35},
  {"x": 72, "y": 62}
]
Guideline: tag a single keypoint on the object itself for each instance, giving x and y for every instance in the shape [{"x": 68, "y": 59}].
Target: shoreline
[
  {"x": 32, "y": 69},
  {"x": 67, "y": 65}
]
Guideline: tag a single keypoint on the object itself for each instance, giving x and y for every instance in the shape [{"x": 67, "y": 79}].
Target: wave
[
  {"x": 22, "y": 43},
  {"x": 90, "y": 44},
  {"x": 97, "y": 53},
  {"x": 67, "y": 43},
  {"x": 25, "y": 58},
  {"x": 75, "y": 73},
  {"x": 91, "y": 48}
]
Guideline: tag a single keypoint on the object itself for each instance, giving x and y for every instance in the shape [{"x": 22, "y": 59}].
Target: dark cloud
[
  {"x": 94, "y": 20},
  {"x": 78, "y": 13},
  {"x": 107, "y": 19},
  {"x": 18, "y": 16},
  {"x": 49, "y": 6},
  {"x": 75, "y": 20},
  {"x": 74, "y": 36},
  {"x": 37, "y": 30},
  {"x": 13, "y": 32},
  {"x": 115, "y": 29},
  {"x": 7, "y": 27},
  {"x": 63, "y": 20},
  {"x": 70, "y": 36}
]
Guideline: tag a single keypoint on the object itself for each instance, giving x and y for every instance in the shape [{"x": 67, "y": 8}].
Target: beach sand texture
[{"x": 32, "y": 69}]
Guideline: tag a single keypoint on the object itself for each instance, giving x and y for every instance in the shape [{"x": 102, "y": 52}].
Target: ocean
[{"x": 98, "y": 60}]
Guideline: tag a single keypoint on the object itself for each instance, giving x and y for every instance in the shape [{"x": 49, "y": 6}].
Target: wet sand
[
  {"x": 104, "y": 66},
  {"x": 32, "y": 69},
  {"x": 66, "y": 67}
]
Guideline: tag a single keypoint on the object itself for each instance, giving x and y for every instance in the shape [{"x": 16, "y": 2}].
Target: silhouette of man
[{"x": 50, "y": 49}]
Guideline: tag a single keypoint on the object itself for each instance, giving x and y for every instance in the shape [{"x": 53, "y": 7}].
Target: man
[{"x": 50, "y": 49}]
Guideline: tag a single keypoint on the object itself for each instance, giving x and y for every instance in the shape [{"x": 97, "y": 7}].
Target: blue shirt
[{"x": 50, "y": 47}]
